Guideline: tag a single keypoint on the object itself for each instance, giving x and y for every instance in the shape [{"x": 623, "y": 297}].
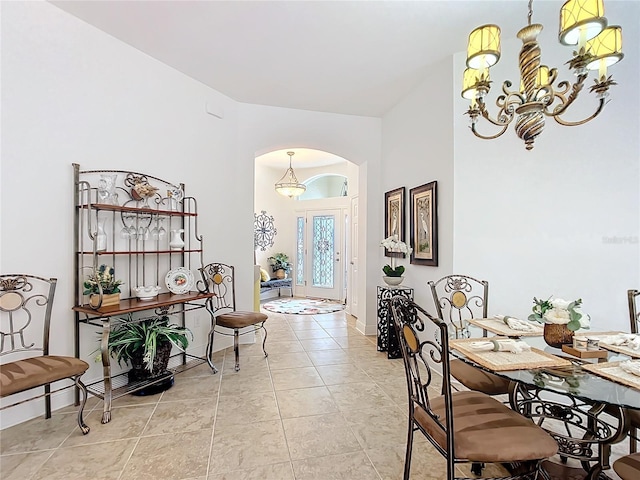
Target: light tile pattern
[{"x": 324, "y": 405}]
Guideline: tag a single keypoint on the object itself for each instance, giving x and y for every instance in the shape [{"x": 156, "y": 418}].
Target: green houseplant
[
  {"x": 280, "y": 264},
  {"x": 146, "y": 345}
]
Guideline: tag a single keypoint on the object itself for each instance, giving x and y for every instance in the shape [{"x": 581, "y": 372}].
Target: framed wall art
[
  {"x": 424, "y": 225},
  {"x": 394, "y": 217}
]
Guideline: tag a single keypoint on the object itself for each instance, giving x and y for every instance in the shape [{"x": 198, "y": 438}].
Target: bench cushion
[{"x": 32, "y": 372}]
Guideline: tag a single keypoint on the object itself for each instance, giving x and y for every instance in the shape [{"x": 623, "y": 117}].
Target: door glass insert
[
  {"x": 300, "y": 249},
  {"x": 323, "y": 251}
]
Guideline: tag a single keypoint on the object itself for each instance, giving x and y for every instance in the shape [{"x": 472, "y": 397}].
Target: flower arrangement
[
  {"x": 102, "y": 279},
  {"x": 560, "y": 312},
  {"x": 395, "y": 246}
]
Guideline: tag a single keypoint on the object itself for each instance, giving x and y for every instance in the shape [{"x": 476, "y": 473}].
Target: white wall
[
  {"x": 417, "y": 148},
  {"x": 537, "y": 223},
  {"x": 70, "y": 93},
  {"x": 356, "y": 139}
]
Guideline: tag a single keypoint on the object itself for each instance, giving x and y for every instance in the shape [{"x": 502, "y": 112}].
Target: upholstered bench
[{"x": 274, "y": 288}]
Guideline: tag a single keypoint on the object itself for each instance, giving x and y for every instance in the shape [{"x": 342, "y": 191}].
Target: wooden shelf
[
  {"x": 130, "y": 305},
  {"x": 153, "y": 211}
]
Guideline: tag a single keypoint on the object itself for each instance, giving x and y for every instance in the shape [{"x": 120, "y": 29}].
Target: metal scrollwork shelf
[{"x": 143, "y": 227}]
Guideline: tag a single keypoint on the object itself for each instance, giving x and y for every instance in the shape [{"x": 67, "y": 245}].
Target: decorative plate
[{"x": 179, "y": 280}]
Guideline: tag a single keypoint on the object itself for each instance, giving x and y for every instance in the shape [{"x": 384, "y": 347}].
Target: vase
[
  {"x": 139, "y": 370},
  {"x": 281, "y": 274},
  {"x": 108, "y": 300},
  {"x": 393, "y": 281},
  {"x": 101, "y": 237},
  {"x": 176, "y": 243},
  {"x": 557, "y": 335},
  {"x": 107, "y": 189}
]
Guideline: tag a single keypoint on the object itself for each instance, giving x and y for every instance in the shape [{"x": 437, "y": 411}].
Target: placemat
[
  {"x": 498, "y": 327},
  {"x": 612, "y": 371},
  {"x": 504, "y": 361},
  {"x": 624, "y": 349}
]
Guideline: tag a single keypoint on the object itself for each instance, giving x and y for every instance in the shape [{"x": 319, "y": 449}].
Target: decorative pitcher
[{"x": 176, "y": 242}]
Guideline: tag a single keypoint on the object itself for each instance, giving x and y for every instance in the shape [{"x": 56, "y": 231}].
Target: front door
[{"x": 324, "y": 272}]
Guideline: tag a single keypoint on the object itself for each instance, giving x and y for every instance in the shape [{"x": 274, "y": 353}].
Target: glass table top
[{"x": 572, "y": 380}]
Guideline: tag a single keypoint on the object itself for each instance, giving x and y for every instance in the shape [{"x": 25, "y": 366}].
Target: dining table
[{"x": 581, "y": 399}]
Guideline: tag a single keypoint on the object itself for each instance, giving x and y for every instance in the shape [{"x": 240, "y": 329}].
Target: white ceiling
[{"x": 351, "y": 57}]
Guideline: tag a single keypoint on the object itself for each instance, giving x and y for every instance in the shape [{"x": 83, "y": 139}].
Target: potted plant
[
  {"x": 393, "y": 273},
  {"x": 102, "y": 287},
  {"x": 146, "y": 345},
  {"x": 280, "y": 265}
]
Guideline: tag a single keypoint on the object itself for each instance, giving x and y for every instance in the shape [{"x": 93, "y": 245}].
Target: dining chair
[
  {"x": 628, "y": 467},
  {"x": 459, "y": 298},
  {"x": 26, "y": 302},
  {"x": 463, "y": 426},
  {"x": 633, "y": 415},
  {"x": 219, "y": 279}
]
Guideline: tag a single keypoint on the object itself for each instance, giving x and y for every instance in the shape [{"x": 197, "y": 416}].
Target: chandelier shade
[
  {"x": 606, "y": 48},
  {"x": 483, "y": 49},
  {"x": 538, "y": 97},
  {"x": 288, "y": 185},
  {"x": 581, "y": 20}
]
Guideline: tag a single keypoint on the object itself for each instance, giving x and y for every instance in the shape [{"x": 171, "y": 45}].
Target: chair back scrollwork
[
  {"x": 219, "y": 280},
  {"x": 423, "y": 359},
  {"x": 25, "y": 313},
  {"x": 458, "y": 299},
  {"x": 634, "y": 313}
]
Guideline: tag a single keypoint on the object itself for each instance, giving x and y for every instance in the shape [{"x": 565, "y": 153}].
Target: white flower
[
  {"x": 560, "y": 303},
  {"x": 557, "y": 315},
  {"x": 394, "y": 245}
]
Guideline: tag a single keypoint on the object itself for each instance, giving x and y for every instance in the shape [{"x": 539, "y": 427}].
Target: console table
[{"x": 387, "y": 338}]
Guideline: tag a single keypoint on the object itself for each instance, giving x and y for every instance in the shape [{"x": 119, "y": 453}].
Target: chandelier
[
  {"x": 583, "y": 25},
  {"x": 288, "y": 185}
]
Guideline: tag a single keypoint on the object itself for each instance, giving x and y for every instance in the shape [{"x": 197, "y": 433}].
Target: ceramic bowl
[{"x": 146, "y": 293}]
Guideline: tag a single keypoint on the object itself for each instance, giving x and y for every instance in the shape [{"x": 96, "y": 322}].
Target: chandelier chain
[{"x": 530, "y": 15}]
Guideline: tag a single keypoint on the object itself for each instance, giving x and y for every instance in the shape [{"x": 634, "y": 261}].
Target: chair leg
[
  {"x": 47, "y": 401},
  {"x": 407, "y": 458},
  {"x": 236, "y": 347},
  {"x": 264, "y": 340},
  {"x": 633, "y": 443},
  {"x": 210, "y": 351},
  {"x": 83, "y": 393}
]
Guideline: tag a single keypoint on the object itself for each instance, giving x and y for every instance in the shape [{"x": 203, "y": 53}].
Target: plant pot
[
  {"x": 140, "y": 372},
  {"x": 107, "y": 300},
  {"x": 393, "y": 281},
  {"x": 280, "y": 274},
  {"x": 557, "y": 335}
]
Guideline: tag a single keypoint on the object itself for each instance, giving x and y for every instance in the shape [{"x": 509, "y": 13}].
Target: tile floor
[{"x": 324, "y": 405}]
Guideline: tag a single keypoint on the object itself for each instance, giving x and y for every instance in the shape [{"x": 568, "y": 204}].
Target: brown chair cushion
[
  {"x": 485, "y": 430},
  {"x": 477, "y": 379},
  {"x": 32, "y": 372},
  {"x": 240, "y": 319},
  {"x": 628, "y": 467}
]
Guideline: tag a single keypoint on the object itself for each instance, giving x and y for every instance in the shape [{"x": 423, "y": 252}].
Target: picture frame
[
  {"x": 424, "y": 224},
  {"x": 394, "y": 215}
]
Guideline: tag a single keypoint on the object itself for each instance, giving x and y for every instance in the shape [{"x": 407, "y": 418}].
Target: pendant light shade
[
  {"x": 606, "y": 48},
  {"x": 483, "y": 49},
  {"x": 288, "y": 185},
  {"x": 581, "y": 20}
]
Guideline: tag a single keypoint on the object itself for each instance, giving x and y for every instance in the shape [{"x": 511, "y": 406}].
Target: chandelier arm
[
  {"x": 490, "y": 137},
  {"x": 566, "y": 102},
  {"x": 506, "y": 112},
  {"x": 581, "y": 122}
]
